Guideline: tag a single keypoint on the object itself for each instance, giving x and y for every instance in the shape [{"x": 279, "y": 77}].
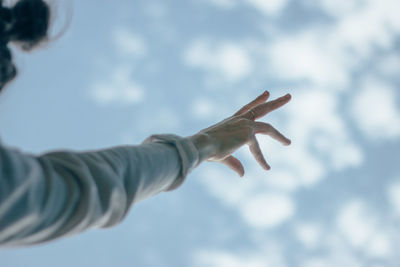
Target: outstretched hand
[{"x": 218, "y": 142}]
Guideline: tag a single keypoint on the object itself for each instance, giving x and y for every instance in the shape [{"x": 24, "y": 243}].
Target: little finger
[{"x": 234, "y": 164}]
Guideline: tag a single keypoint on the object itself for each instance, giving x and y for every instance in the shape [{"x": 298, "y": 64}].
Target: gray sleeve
[{"x": 62, "y": 193}]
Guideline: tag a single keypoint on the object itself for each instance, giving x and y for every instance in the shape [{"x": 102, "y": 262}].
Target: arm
[{"x": 63, "y": 193}]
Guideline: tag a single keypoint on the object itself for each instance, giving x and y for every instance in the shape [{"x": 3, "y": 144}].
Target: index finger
[{"x": 263, "y": 109}]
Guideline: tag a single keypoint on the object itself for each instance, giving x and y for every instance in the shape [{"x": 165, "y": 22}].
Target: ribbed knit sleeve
[{"x": 61, "y": 193}]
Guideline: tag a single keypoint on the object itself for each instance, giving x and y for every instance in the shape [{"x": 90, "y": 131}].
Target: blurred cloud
[
  {"x": 332, "y": 261},
  {"x": 156, "y": 9},
  {"x": 341, "y": 60},
  {"x": 321, "y": 63},
  {"x": 227, "y": 60},
  {"x": 221, "y": 186},
  {"x": 268, "y": 8},
  {"x": 373, "y": 25},
  {"x": 380, "y": 246},
  {"x": 119, "y": 88},
  {"x": 355, "y": 223},
  {"x": 393, "y": 195},
  {"x": 257, "y": 210},
  {"x": 308, "y": 56},
  {"x": 389, "y": 65},
  {"x": 267, "y": 210},
  {"x": 376, "y": 111},
  {"x": 319, "y": 129},
  {"x": 224, "y": 3},
  {"x": 269, "y": 253},
  {"x": 339, "y": 8},
  {"x": 271, "y": 7},
  {"x": 204, "y": 108},
  {"x": 363, "y": 230},
  {"x": 309, "y": 234},
  {"x": 129, "y": 44},
  {"x": 226, "y": 259}
]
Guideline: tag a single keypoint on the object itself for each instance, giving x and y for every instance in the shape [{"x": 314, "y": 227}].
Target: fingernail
[{"x": 288, "y": 95}]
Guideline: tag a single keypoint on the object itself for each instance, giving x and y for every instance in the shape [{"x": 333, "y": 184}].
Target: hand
[{"x": 218, "y": 142}]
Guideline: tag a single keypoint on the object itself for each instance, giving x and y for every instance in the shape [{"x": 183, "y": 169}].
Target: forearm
[{"x": 66, "y": 192}]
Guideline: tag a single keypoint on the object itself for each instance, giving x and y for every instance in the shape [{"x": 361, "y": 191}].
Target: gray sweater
[{"x": 62, "y": 193}]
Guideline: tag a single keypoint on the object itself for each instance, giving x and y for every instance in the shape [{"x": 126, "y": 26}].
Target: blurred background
[{"x": 124, "y": 70}]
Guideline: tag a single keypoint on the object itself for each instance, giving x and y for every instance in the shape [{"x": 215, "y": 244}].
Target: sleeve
[{"x": 62, "y": 193}]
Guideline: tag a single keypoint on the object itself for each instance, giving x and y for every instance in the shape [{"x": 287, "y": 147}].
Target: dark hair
[{"x": 25, "y": 23}]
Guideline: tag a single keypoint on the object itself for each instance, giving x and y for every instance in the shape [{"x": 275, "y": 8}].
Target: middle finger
[{"x": 263, "y": 109}]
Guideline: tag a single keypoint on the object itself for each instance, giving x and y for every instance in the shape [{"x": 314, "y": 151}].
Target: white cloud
[
  {"x": 315, "y": 123},
  {"x": 156, "y": 9},
  {"x": 326, "y": 55},
  {"x": 225, "y": 187},
  {"x": 340, "y": 259},
  {"x": 308, "y": 168},
  {"x": 317, "y": 262},
  {"x": 356, "y": 223},
  {"x": 267, "y": 210},
  {"x": 393, "y": 194},
  {"x": 226, "y": 259},
  {"x": 203, "y": 108},
  {"x": 224, "y": 3},
  {"x": 119, "y": 88},
  {"x": 340, "y": 150},
  {"x": 375, "y": 111},
  {"x": 164, "y": 120},
  {"x": 129, "y": 44},
  {"x": 283, "y": 180},
  {"x": 265, "y": 254},
  {"x": 361, "y": 229},
  {"x": 346, "y": 154},
  {"x": 340, "y": 8},
  {"x": 389, "y": 65},
  {"x": 270, "y": 7},
  {"x": 380, "y": 246},
  {"x": 372, "y": 26},
  {"x": 226, "y": 59},
  {"x": 309, "y": 234},
  {"x": 308, "y": 56}
]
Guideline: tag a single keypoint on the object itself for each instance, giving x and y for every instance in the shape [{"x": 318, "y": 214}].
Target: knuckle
[{"x": 244, "y": 121}]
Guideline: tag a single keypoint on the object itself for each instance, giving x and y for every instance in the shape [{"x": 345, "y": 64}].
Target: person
[{"x": 62, "y": 193}]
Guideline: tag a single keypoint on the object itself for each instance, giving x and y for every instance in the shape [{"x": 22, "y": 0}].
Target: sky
[{"x": 123, "y": 71}]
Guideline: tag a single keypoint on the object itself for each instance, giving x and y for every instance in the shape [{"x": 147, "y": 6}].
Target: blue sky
[{"x": 122, "y": 72}]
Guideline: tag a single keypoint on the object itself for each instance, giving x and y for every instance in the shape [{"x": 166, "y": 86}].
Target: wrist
[{"x": 203, "y": 144}]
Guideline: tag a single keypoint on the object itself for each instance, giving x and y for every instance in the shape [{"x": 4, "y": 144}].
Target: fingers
[
  {"x": 268, "y": 129},
  {"x": 256, "y": 151},
  {"x": 234, "y": 164},
  {"x": 263, "y": 109},
  {"x": 259, "y": 100}
]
